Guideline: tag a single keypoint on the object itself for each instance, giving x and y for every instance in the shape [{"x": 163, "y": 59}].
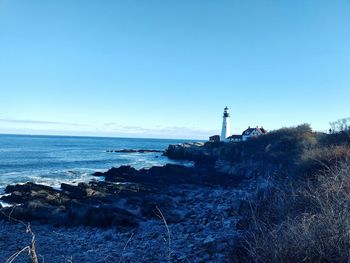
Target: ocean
[{"x": 52, "y": 160}]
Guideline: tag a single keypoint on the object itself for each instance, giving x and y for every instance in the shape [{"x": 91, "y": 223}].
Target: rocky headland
[{"x": 174, "y": 213}]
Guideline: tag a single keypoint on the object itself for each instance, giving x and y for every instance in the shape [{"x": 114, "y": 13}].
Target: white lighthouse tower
[{"x": 226, "y": 128}]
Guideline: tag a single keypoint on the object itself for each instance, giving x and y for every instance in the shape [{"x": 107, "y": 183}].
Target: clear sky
[{"x": 167, "y": 68}]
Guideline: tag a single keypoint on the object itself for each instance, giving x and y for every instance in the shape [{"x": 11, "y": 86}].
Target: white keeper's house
[{"x": 226, "y": 131}]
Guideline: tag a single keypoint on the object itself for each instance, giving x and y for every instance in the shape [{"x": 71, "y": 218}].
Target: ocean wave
[{"x": 54, "y": 160}]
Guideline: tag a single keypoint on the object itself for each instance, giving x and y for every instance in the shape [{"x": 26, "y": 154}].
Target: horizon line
[{"x": 96, "y": 136}]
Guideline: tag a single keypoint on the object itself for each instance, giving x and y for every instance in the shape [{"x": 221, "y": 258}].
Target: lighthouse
[{"x": 226, "y": 128}]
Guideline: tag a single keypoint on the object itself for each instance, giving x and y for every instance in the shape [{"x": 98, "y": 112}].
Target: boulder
[
  {"x": 193, "y": 151},
  {"x": 155, "y": 176},
  {"x": 21, "y": 193},
  {"x": 27, "y": 187},
  {"x": 84, "y": 204},
  {"x": 102, "y": 216},
  {"x": 37, "y": 210},
  {"x": 170, "y": 170},
  {"x": 120, "y": 174}
]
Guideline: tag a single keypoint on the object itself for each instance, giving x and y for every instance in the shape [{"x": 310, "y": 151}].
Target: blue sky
[{"x": 168, "y": 68}]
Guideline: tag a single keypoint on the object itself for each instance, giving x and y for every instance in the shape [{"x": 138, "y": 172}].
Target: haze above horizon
[{"x": 167, "y": 69}]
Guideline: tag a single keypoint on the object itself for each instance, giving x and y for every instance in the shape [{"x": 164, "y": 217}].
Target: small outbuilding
[{"x": 214, "y": 138}]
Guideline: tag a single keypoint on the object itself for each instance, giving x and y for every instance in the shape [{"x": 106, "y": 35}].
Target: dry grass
[
  {"x": 322, "y": 158},
  {"x": 161, "y": 216},
  {"x": 321, "y": 233}
]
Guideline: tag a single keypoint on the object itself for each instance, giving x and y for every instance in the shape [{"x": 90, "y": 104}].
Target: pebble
[{"x": 200, "y": 235}]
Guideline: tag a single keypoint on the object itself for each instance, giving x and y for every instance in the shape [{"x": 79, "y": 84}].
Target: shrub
[
  {"x": 319, "y": 158},
  {"x": 319, "y": 232},
  {"x": 339, "y": 138}
]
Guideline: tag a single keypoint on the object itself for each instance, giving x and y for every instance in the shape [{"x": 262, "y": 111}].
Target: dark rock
[
  {"x": 84, "y": 204},
  {"x": 27, "y": 187},
  {"x": 194, "y": 151},
  {"x": 175, "y": 216},
  {"x": 118, "y": 174},
  {"x": 73, "y": 191},
  {"x": 170, "y": 174},
  {"x": 16, "y": 197},
  {"x": 98, "y": 174},
  {"x": 21, "y": 193},
  {"x": 85, "y": 214},
  {"x": 171, "y": 170},
  {"x": 85, "y": 191},
  {"x": 155, "y": 176},
  {"x": 245, "y": 208},
  {"x": 37, "y": 210}
]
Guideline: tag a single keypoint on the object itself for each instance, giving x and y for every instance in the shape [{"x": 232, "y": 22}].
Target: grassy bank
[{"x": 305, "y": 216}]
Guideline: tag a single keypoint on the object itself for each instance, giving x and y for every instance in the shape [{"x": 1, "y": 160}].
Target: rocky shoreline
[
  {"x": 203, "y": 208},
  {"x": 218, "y": 210},
  {"x": 201, "y": 225}
]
